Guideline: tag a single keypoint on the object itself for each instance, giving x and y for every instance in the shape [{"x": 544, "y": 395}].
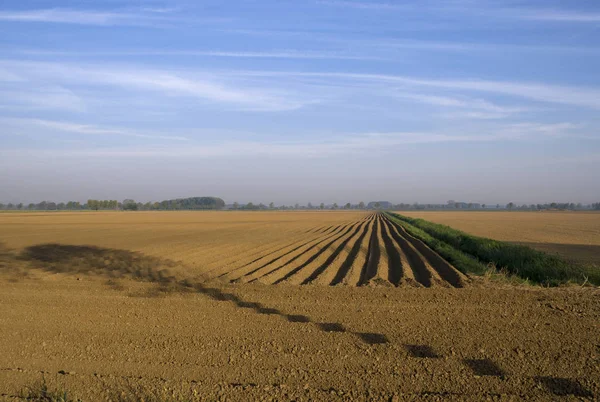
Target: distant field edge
[{"x": 477, "y": 255}]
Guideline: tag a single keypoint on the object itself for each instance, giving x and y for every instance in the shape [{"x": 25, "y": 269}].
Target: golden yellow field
[{"x": 574, "y": 235}]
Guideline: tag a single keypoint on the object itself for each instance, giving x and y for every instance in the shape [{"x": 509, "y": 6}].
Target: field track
[{"x": 371, "y": 251}]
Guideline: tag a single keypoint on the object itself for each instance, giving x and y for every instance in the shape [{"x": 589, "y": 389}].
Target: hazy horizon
[{"x": 280, "y": 101}]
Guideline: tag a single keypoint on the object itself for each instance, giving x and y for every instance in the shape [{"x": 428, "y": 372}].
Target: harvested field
[
  {"x": 192, "y": 306},
  {"x": 573, "y": 235}
]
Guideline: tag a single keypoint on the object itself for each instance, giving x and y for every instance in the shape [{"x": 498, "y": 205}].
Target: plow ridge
[
  {"x": 370, "y": 268},
  {"x": 312, "y": 258},
  {"x": 223, "y": 258},
  {"x": 347, "y": 264},
  {"x": 373, "y": 250},
  {"x": 319, "y": 241},
  {"x": 315, "y": 274},
  {"x": 266, "y": 255},
  {"x": 395, "y": 268},
  {"x": 415, "y": 260},
  {"x": 446, "y": 271},
  {"x": 262, "y": 252}
]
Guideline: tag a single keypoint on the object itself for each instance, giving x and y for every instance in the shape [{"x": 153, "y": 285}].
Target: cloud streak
[
  {"x": 283, "y": 54},
  {"x": 42, "y": 98},
  {"x": 77, "y": 17},
  {"x": 460, "y": 7},
  {"x": 205, "y": 86},
  {"x": 349, "y": 144},
  {"x": 566, "y": 95},
  {"x": 559, "y": 16},
  {"x": 36, "y": 126},
  {"x": 363, "y": 5},
  {"x": 463, "y": 102}
]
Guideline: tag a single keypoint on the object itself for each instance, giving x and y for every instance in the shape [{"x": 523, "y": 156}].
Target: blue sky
[{"x": 298, "y": 101}]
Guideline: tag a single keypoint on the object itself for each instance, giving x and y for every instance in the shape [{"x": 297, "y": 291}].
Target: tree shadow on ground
[
  {"x": 421, "y": 351},
  {"x": 564, "y": 387},
  {"x": 484, "y": 367},
  {"x": 115, "y": 263},
  {"x": 10, "y": 265}
]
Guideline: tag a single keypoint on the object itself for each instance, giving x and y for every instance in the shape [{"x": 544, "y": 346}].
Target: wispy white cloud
[
  {"x": 274, "y": 91},
  {"x": 161, "y": 10},
  {"x": 566, "y": 95},
  {"x": 365, "y": 5},
  {"x": 339, "y": 145},
  {"x": 209, "y": 87},
  {"x": 490, "y": 9},
  {"x": 84, "y": 17},
  {"x": 34, "y": 126},
  {"x": 467, "y": 107},
  {"x": 282, "y": 54},
  {"x": 43, "y": 98},
  {"x": 545, "y": 130},
  {"x": 558, "y": 15},
  {"x": 65, "y": 16},
  {"x": 473, "y": 46}
]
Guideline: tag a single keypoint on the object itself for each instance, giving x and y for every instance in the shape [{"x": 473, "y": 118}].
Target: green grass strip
[{"x": 522, "y": 261}]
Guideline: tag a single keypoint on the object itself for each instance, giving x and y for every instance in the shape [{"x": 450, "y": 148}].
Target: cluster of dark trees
[
  {"x": 45, "y": 206},
  {"x": 192, "y": 203}
]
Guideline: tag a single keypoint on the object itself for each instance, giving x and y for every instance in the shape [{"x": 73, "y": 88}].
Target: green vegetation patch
[{"x": 522, "y": 261}]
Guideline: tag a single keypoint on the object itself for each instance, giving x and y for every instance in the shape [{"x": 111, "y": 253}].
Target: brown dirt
[{"x": 108, "y": 323}]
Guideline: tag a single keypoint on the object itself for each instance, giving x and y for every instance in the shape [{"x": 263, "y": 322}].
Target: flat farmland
[
  {"x": 337, "y": 306},
  {"x": 573, "y": 235},
  {"x": 193, "y": 236},
  {"x": 329, "y": 248}
]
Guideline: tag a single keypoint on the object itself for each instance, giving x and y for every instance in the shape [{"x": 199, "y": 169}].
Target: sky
[{"x": 300, "y": 101}]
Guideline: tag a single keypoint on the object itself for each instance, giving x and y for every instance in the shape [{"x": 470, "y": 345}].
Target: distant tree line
[
  {"x": 560, "y": 206},
  {"x": 193, "y": 203},
  {"x": 262, "y": 207},
  {"x": 214, "y": 203},
  {"x": 511, "y": 206}
]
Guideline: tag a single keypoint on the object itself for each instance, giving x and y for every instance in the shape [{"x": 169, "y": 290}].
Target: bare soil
[{"x": 106, "y": 323}]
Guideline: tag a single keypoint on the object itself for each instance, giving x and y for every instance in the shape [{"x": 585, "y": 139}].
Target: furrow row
[
  {"x": 284, "y": 257},
  {"x": 373, "y": 252},
  {"x": 233, "y": 259}
]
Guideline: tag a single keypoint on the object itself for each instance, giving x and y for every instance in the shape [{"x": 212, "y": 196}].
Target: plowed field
[
  {"x": 327, "y": 248},
  {"x": 211, "y": 306},
  {"x": 372, "y": 250}
]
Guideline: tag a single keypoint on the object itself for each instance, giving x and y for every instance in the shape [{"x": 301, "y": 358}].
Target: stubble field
[{"x": 207, "y": 306}]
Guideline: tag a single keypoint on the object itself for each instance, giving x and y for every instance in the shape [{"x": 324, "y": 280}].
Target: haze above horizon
[{"x": 285, "y": 101}]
